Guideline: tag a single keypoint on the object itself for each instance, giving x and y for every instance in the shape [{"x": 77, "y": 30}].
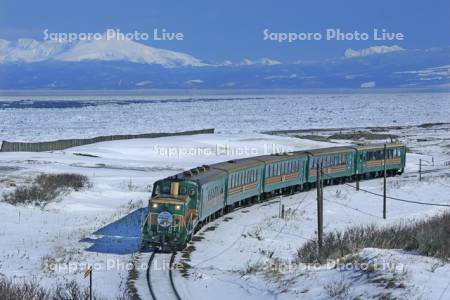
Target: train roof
[
  {"x": 200, "y": 174},
  {"x": 378, "y": 146},
  {"x": 280, "y": 156},
  {"x": 328, "y": 150},
  {"x": 237, "y": 164}
]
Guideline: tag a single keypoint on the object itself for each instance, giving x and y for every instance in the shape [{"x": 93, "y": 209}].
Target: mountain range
[{"x": 125, "y": 64}]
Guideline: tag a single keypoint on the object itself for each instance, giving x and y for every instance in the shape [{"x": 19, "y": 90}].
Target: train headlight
[
  {"x": 177, "y": 207},
  {"x": 155, "y": 205}
]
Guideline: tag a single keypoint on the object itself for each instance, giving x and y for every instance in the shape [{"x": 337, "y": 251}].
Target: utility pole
[
  {"x": 420, "y": 169},
  {"x": 384, "y": 183},
  {"x": 357, "y": 179},
  {"x": 319, "y": 207}
]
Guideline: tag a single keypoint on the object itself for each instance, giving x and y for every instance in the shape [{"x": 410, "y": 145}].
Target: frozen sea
[{"x": 39, "y": 118}]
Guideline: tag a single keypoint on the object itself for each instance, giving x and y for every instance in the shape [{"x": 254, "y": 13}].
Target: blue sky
[{"x": 218, "y": 30}]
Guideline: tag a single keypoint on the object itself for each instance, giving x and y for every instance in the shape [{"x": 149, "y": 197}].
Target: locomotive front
[{"x": 172, "y": 214}]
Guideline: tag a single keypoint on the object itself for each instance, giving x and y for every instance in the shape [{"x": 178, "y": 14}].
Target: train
[{"x": 181, "y": 204}]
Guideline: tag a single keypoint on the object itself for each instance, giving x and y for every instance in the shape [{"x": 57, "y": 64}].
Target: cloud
[{"x": 370, "y": 84}]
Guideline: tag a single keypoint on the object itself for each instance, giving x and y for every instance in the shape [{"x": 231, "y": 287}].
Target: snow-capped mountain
[
  {"x": 29, "y": 50},
  {"x": 113, "y": 64},
  {"x": 350, "y": 53}
]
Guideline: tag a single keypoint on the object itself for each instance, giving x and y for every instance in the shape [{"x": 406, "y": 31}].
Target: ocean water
[{"x": 24, "y": 118}]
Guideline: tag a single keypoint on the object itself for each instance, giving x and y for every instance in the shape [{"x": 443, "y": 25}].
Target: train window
[{"x": 157, "y": 190}]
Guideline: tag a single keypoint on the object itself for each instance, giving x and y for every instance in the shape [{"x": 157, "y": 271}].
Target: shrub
[
  {"x": 32, "y": 291},
  {"x": 45, "y": 188},
  {"x": 430, "y": 237},
  {"x": 338, "y": 290}
]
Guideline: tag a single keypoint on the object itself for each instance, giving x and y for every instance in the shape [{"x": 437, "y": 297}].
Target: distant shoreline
[{"x": 206, "y": 92}]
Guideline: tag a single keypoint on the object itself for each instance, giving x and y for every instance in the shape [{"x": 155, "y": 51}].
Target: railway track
[{"x": 159, "y": 277}]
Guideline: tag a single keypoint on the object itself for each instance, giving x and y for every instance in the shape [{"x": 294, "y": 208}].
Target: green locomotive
[{"x": 182, "y": 203}]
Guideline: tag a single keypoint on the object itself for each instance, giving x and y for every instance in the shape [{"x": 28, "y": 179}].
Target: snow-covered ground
[
  {"x": 101, "y": 225},
  {"x": 88, "y": 116}
]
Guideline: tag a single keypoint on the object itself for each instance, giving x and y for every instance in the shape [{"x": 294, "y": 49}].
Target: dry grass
[
  {"x": 46, "y": 188},
  {"x": 430, "y": 237}
]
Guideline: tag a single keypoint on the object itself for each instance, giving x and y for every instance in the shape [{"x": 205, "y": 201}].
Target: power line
[
  {"x": 393, "y": 198},
  {"x": 399, "y": 199}
]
